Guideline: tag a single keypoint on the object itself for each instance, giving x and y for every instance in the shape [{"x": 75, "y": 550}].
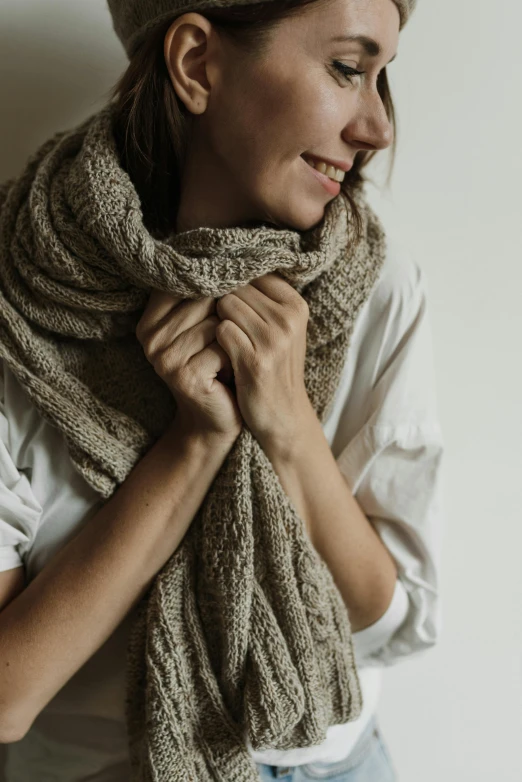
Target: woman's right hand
[{"x": 178, "y": 337}]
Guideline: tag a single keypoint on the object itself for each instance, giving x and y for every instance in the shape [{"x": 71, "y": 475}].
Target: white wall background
[{"x": 454, "y": 714}]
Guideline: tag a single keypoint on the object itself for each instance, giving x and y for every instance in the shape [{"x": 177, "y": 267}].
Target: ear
[{"x": 189, "y": 48}]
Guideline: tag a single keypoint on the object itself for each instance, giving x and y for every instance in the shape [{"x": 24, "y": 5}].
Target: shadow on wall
[
  {"x": 53, "y": 78},
  {"x": 55, "y": 71}
]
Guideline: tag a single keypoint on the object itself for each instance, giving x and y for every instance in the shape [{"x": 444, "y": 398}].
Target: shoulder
[
  {"x": 36, "y": 446},
  {"x": 4, "y": 432},
  {"x": 390, "y": 371},
  {"x": 397, "y": 298},
  {"x": 20, "y": 511},
  {"x": 402, "y": 281},
  {"x": 20, "y": 419},
  {"x": 30, "y": 441}
]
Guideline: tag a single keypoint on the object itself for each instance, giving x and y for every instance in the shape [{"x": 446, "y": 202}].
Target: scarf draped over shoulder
[{"x": 243, "y": 633}]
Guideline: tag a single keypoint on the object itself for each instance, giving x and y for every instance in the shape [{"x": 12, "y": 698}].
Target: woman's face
[{"x": 256, "y": 120}]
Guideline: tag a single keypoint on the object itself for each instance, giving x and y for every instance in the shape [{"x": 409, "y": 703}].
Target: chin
[
  {"x": 301, "y": 218},
  {"x": 306, "y": 219}
]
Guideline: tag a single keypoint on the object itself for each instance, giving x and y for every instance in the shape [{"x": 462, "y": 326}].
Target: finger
[
  {"x": 160, "y": 307},
  {"x": 160, "y": 304},
  {"x": 183, "y": 318},
  {"x": 234, "y": 342},
  {"x": 195, "y": 339},
  {"x": 235, "y": 308},
  {"x": 275, "y": 287},
  {"x": 258, "y": 301},
  {"x": 212, "y": 359}
]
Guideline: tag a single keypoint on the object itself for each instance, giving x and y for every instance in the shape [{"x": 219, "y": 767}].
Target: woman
[{"x": 226, "y": 117}]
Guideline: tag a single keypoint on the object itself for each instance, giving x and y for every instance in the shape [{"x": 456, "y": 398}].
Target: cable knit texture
[
  {"x": 133, "y": 19},
  {"x": 243, "y": 632}
]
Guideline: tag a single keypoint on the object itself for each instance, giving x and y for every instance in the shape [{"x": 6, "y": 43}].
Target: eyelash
[{"x": 346, "y": 70}]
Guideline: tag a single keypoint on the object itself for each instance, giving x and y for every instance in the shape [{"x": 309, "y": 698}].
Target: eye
[{"x": 346, "y": 71}]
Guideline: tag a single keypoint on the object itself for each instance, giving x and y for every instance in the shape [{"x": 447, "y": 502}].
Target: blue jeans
[{"x": 369, "y": 761}]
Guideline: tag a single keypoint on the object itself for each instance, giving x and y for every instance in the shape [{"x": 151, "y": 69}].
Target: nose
[{"x": 369, "y": 128}]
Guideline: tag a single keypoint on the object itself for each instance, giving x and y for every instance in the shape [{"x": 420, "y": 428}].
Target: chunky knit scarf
[{"x": 243, "y": 633}]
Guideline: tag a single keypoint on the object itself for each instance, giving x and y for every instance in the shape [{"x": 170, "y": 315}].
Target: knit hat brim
[{"x": 133, "y": 20}]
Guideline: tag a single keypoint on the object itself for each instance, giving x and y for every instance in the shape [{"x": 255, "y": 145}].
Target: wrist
[
  {"x": 194, "y": 438},
  {"x": 285, "y": 445}
]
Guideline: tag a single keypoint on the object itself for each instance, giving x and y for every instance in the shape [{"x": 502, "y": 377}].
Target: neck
[{"x": 211, "y": 197}]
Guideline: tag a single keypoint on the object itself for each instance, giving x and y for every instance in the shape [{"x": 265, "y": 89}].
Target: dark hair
[{"x": 151, "y": 122}]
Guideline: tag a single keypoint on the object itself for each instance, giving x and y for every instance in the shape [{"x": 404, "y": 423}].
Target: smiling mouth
[
  {"x": 333, "y": 173},
  {"x": 331, "y": 186}
]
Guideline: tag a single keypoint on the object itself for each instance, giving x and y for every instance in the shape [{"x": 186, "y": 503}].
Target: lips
[{"x": 331, "y": 187}]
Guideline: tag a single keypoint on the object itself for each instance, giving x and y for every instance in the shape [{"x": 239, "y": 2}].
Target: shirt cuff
[{"x": 9, "y": 558}]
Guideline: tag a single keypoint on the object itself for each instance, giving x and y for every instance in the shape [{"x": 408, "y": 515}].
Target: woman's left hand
[{"x": 263, "y": 330}]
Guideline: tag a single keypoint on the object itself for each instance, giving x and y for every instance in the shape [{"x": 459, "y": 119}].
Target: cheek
[
  {"x": 301, "y": 114},
  {"x": 325, "y": 105},
  {"x": 278, "y": 119},
  {"x": 261, "y": 134},
  {"x": 280, "y": 124},
  {"x": 238, "y": 118}
]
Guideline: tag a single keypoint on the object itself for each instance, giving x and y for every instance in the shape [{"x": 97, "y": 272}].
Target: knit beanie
[{"x": 133, "y": 19}]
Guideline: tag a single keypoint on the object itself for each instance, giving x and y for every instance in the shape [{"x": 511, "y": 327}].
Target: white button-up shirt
[{"x": 385, "y": 435}]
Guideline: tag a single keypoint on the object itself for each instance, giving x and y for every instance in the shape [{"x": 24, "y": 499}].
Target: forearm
[
  {"x": 74, "y": 604},
  {"x": 362, "y": 567}
]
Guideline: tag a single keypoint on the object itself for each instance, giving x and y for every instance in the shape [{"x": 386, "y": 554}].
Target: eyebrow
[{"x": 371, "y": 47}]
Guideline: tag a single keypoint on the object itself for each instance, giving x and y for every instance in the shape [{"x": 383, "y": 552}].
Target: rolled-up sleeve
[
  {"x": 20, "y": 511},
  {"x": 401, "y": 494},
  {"x": 373, "y": 638},
  {"x": 394, "y": 466}
]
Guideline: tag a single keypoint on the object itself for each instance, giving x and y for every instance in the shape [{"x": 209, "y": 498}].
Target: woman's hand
[
  {"x": 263, "y": 330},
  {"x": 178, "y": 337}
]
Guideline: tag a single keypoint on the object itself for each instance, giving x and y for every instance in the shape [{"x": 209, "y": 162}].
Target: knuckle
[
  {"x": 140, "y": 331},
  {"x": 151, "y": 345},
  {"x": 260, "y": 363},
  {"x": 297, "y": 315},
  {"x": 299, "y": 305},
  {"x": 304, "y": 307},
  {"x": 165, "y": 362},
  {"x": 289, "y": 324}
]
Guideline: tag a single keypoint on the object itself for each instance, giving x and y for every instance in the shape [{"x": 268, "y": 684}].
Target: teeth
[{"x": 334, "y": 173}]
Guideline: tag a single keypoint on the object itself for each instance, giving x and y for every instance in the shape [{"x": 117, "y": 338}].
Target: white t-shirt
[{"x": 385, "y": 435}]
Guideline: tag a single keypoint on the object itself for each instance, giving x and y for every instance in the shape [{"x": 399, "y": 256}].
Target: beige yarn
[
  {"x": 243, "y": 633},
  {"x": 134, "y": 19}
]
